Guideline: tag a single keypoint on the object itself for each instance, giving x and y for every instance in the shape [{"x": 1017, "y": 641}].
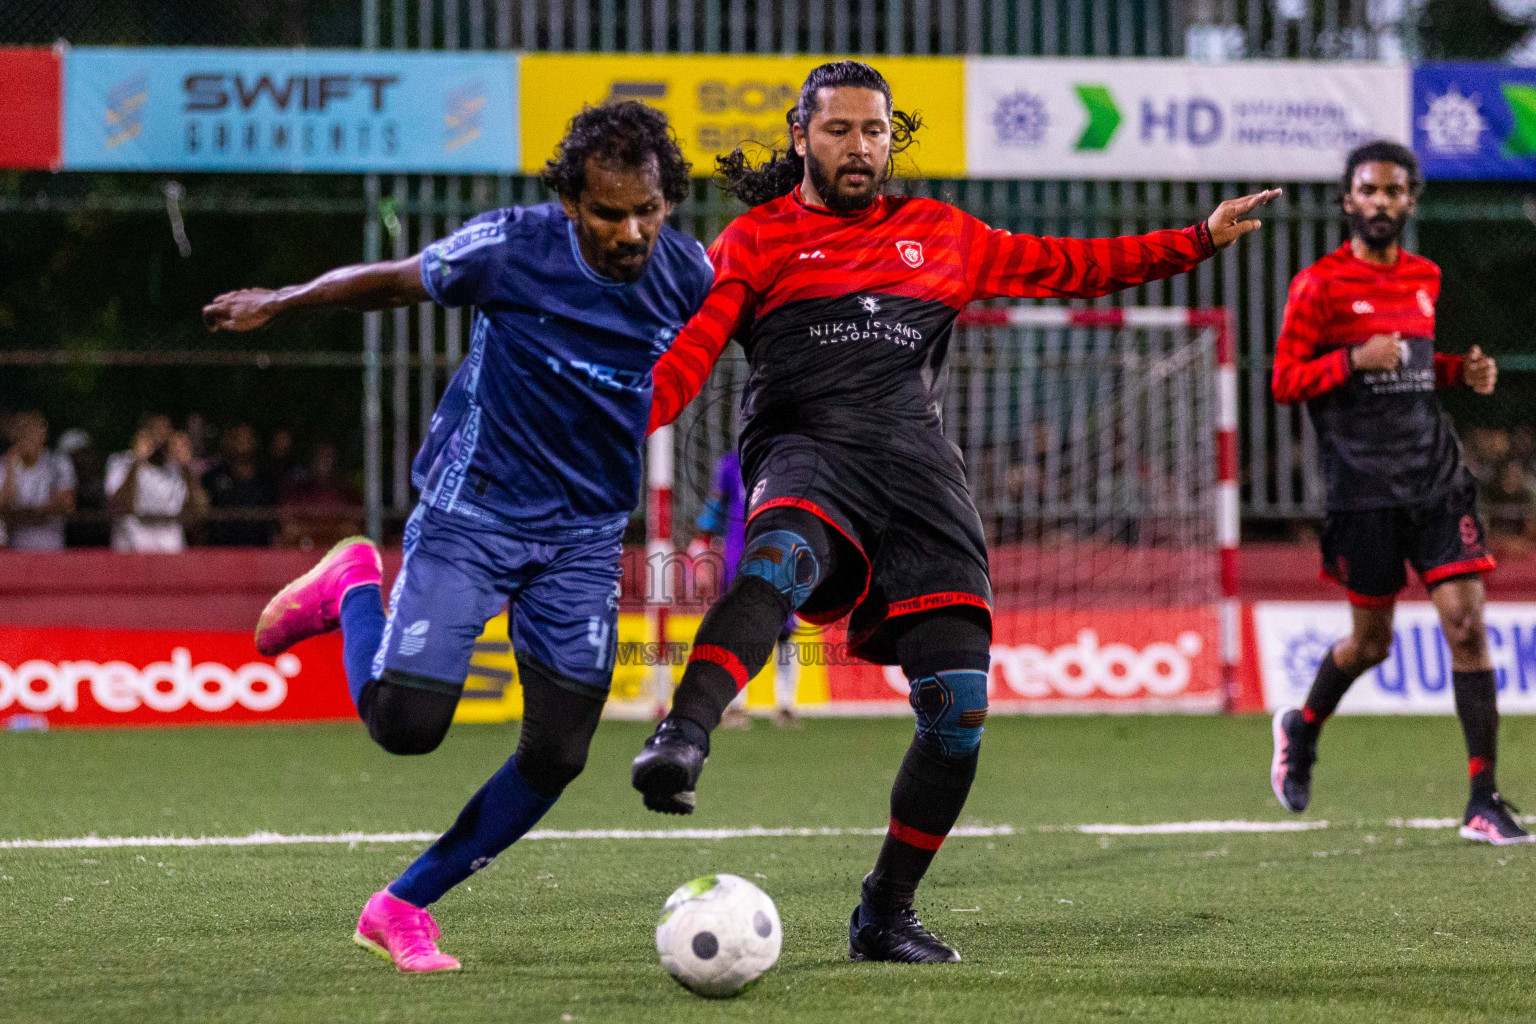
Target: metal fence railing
[
  {"x": 1252, "y": 280},
  {"x": 404, "y": 212}
]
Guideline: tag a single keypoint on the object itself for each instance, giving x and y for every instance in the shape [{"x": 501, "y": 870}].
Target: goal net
[{"x": 1099, "y": 446}]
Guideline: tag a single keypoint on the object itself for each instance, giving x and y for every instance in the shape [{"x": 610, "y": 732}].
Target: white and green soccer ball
[{"x": 718, "y": 934}]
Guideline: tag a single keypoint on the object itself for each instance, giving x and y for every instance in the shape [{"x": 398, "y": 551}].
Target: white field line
[
  {"x": 1201, "y": 827},
  {"x": 964, "y": 832}
]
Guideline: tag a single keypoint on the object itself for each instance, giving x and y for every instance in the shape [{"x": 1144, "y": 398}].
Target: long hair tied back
[{"x": 784, "y": 169}]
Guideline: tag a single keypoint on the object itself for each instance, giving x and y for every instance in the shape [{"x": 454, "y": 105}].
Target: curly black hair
[
  {"x": 782, "y": 171},
  {"x": 628, "y": 134},
  {"x": 1384, "y": 151}
]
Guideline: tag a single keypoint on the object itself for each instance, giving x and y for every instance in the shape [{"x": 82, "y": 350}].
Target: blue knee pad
[
  {"x": 786, "y": 560},
  {"x": 951, "y": 707}
]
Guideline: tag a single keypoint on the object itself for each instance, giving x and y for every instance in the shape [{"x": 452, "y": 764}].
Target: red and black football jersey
[
  {"x": 1382, "y": 437},
  {"x": 846, "y": 320}
]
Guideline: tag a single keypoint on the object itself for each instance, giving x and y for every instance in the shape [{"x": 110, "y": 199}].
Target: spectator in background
[
  {"x": 1510, "y": 498},
  {"x": 37, "y": 487},
  {"x": 282, "y": 463},
  {"x": 1484, "y": 450},
  {"x": 1522, "y": 448},
  {"x": 204, "y": 437},
  {"x": 90, "y": 529},
  {"x": 320, "y": 509},
  {"x": 236, "y": 484},
  {"x": 152, "y": 491}
]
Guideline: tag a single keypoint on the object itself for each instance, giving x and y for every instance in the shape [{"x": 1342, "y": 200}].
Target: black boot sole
[{"x": 663, "y": 787}]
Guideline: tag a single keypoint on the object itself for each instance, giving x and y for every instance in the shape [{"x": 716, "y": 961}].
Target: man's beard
[
  {"x": 610, "y": 266},
  {"x": 826, "y": 187},
  {"x": 1379, "y": 232},
  {"x": 631, "y": 273}
]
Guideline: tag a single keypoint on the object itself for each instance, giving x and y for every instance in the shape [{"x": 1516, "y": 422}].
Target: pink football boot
[
  {"x": 311, "y": 604},
  {"x": 400, "y": 932}
]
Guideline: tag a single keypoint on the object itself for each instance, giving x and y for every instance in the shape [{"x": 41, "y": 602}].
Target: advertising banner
[
  {"x": 716, "y": 103},
  {"x": 29, "y": 95},
  {"x": 1293, "y": 636},
  {"x": 289, "y": 110},
  {"x": 1121, "y": 659},
  {"x": 1097, "y": 660},
  {"x": 1475, "y": 121},
  {"x": 121, "y": 677},
  {"x": 1174, "y": 119}
]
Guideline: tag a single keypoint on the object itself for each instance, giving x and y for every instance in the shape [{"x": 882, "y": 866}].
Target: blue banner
[
  {"x": 1475, "y": 121},
  {"x": 190, "y": 109}
]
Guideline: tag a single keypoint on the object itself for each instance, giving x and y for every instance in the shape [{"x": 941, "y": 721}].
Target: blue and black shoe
[{"x": 667, "y": 770}]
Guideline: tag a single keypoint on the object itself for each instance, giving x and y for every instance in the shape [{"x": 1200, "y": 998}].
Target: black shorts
[
  {"x": 910, "y": 537},
  {"x": 1365, "y": 550}
]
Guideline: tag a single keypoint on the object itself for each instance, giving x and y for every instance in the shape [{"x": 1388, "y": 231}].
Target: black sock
[
  {"x": 925, "y": 802},
  {"x": 733, "y": 643},
  {"x": 1478, "y": 708},
  {"x": 1328, "y": 688}
]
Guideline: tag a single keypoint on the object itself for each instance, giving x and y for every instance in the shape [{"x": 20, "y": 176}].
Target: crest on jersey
[
  {"x": 911, "y": 253},
  {"x": 1426, "y": 304}
]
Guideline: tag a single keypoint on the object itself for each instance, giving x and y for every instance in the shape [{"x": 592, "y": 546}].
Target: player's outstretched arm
[
  {"x": 1229, "y": 221},
  {"x": 360, "y": 287},
  {"x": 681, "y": 371},
  {"x": 1002, "y": 264}
]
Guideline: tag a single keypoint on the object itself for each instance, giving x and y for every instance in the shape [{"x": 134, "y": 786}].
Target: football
[{"x": 718, "y": 934}]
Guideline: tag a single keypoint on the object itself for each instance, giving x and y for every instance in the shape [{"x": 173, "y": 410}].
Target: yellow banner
[
  {"x": 718, "y": 103},
  {"x": 492, "y": 693}
]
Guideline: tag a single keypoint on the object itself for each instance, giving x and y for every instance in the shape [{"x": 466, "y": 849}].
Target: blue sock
[
  {"x": 362, "y": 627},
  {"x": 495, "y": 818}
]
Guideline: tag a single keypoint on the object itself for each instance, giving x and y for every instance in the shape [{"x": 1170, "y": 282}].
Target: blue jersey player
[{"x": 527, "y": 476}]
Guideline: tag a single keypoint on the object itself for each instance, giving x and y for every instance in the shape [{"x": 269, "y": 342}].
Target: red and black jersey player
[
  {"x": 1358, "y": 347},
  {"x": 844, "y": 299}
]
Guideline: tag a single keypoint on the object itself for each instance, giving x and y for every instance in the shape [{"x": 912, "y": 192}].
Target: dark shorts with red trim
[
  {"x": 1365, "y": 550},
  {"x": 908, "y": 533}
]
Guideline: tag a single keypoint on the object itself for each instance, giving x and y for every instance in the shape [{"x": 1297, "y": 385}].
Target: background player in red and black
[
  {"x": 844, "y": 299},
  {"x": 1358, "y": 346}
]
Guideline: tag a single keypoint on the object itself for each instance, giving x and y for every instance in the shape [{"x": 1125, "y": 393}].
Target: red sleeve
[
  {"x": 683, "y": 368},
  {"x": 1448, "y": 370},
  {"x": 1300, "y": 372},
  {"x": 1026, "y": 266}
]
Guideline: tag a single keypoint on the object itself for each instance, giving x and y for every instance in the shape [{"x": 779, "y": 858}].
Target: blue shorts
[{"x": 563, "y": 597}]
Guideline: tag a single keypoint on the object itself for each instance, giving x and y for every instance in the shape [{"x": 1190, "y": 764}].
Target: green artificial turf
[{"x": 1364, "y": 920}]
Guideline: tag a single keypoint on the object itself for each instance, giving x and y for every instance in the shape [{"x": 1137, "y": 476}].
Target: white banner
[
  {"x": 1174, "y": 119},
  {"x": 1293, "y": 636}
]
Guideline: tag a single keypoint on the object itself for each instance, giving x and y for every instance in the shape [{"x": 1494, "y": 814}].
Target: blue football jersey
[{"x": 540, "y": 429}]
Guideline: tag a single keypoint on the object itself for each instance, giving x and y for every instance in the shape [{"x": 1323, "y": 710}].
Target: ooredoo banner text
[{"x": 123, "y": 677}]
